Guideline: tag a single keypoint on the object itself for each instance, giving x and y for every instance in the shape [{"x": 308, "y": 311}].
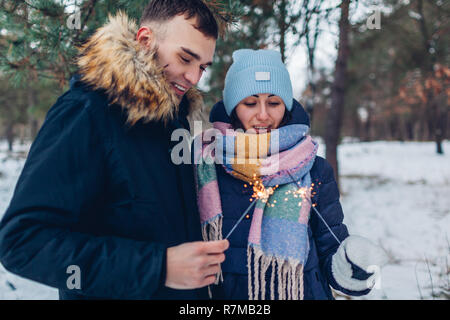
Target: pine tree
[
  {"x": 38, "y": 48},
  {"x": 39, "y": 38}
]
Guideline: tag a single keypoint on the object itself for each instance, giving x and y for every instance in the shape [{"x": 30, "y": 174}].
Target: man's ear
[{"x": 145, "y": 37}]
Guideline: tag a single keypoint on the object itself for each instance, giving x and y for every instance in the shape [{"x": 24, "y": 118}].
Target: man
[{"x": 100, "y": 211}]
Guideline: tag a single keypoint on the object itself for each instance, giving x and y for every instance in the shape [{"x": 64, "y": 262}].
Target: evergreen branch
[
  {"x": 48, "y": 9},
  {"x": 11, "y": 10},
  {"x": 29, "y": 5},
  {"x": 225, "y": 14}
]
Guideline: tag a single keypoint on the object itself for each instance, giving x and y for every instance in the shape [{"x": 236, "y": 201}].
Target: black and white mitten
[{"x": 355, "y": 263}]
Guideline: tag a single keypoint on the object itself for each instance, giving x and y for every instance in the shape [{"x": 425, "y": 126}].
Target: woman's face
[{"x": 261, "y": 112}]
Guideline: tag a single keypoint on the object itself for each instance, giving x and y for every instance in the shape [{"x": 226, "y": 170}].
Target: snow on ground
[
  {"x": 394, "y": 193},
  {"x": 397, "y": 194}
]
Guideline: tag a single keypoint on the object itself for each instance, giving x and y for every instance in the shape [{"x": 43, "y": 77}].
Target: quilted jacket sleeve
[
  {"x": 62, "y": 176},
  {"x": 330, "y": 209}
]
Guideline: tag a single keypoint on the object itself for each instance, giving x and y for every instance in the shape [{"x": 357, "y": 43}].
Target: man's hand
[{"x": 194, "y": 264}]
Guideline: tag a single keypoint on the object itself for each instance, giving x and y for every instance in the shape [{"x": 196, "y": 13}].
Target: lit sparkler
[
  {"x": 302, "y": 191},
  {"x": 240, "y": 219},
  {"x": 260, "y": 192}
]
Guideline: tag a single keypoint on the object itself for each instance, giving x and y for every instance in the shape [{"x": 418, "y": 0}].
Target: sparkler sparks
[
  {"x": 303, "y": 193},
  {"x": 260, "y": 192}
]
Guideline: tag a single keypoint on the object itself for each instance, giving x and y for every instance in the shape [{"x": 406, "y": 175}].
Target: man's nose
[{"x": 193, "y": 75}]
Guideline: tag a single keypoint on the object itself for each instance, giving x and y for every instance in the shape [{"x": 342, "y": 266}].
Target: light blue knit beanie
[{"x": 255, "y": 72}]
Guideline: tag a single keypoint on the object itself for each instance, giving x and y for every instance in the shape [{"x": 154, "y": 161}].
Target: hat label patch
[{"x": 262, "y": 76}]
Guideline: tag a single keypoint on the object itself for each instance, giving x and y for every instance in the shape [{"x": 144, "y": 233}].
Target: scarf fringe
[
  {"x": 289, "y": 276},
  {"x": 211, "y": 231},
  {"x": 289, "y": 272}
]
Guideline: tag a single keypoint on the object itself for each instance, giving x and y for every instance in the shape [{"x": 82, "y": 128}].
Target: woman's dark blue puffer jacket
[{"x": 235, "y": 199}]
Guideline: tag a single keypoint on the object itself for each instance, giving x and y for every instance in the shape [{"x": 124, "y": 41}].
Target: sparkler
[
  {"x": 259, "y": 192},
  {"x": 240, "y": 219},
  {"x": 302, "y": 191}
]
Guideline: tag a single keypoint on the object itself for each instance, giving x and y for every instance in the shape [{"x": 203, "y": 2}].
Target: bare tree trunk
[
  {"x": 432, "y": 109},
  {"x": 282, "y": 25},
  {"x": 34, "y": 128},
  {"x": 32, "y": 100},
  {"x": 356, "y": 125},
  {"x": 10, "y": 135},
  {"x": 311, "y": 45},
  {"x": 442, "y": 110},
  {"x": 335, "y": 113},
  {"x": 368, "y": 127},
  {"x": 423, "y": 126},
  {"x": 409, "y": 129}
]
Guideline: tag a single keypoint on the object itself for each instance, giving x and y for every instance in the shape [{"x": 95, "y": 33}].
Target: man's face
[{"x": 184, "y": 52}]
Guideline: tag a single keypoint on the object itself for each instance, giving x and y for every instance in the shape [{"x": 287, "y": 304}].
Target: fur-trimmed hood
[{"x": 114, "y": 61}]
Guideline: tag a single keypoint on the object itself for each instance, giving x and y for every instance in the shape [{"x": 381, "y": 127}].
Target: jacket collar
[{"x": 112, "y": 60}]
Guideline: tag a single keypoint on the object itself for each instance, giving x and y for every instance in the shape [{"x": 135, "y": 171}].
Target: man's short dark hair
[{"x": 163, "y": 10}]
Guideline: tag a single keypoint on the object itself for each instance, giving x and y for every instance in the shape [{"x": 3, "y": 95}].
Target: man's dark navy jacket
[
  {"x": 99, "y": 190},
  {"x": 104, "y": 196}
]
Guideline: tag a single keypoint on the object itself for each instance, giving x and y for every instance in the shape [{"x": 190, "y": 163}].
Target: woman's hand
[{"x": 356, "y": 264}]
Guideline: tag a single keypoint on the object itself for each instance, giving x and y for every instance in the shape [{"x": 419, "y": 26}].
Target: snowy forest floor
[{"x": 395, "y": 193}]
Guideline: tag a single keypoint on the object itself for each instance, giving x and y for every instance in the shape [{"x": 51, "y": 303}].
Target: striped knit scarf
[{"x": 275, "y": 164}]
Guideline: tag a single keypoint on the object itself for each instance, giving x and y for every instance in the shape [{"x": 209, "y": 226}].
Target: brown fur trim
[{"x": 114, "y": 61}]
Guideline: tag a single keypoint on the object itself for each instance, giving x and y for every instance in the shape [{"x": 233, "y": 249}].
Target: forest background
[{"x": 369, "y": 70}]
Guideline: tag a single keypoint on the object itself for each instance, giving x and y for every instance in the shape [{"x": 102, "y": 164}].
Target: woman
[{"x": 292, "y": 244}]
